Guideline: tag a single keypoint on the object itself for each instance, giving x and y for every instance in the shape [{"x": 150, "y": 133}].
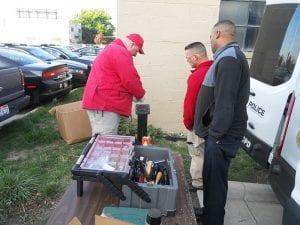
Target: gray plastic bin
[{"x": 162, "y": 197}]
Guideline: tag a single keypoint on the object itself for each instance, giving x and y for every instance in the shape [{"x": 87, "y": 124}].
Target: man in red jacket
[
  {"x": 196, "y": 56},
  {"x": 113, "y": 84}
]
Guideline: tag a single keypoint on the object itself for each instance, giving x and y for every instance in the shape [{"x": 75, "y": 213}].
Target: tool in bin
[
  {"x": 158, "y": 177},
  {"x": 150, "y": 172},
  {"x": 148, "y": 168},
  {"x": 166, "y": 179}
]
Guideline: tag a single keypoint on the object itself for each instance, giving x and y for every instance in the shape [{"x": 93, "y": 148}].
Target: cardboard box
[
  {"x": 73, "y": 122},
  {"x": 100, "y": 220}
]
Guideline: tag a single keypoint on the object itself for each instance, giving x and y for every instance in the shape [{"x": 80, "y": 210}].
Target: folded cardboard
[
  {"x": 75, "y": 221},
  {"x": 100, "y": 220},
  {"x": 73, "y": 122}
]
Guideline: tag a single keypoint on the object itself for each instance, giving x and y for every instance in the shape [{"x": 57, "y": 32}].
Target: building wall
[
  {"x": 167, "y": 27},
  {"x": 75, "y": 33},
  {"x": 33, "y": 30}
]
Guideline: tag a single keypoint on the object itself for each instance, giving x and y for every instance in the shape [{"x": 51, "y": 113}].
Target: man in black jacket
[{"x": 221, "y": 117}]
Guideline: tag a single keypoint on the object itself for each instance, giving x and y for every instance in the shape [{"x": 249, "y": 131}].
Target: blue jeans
[{"x": 217, "y": 157}]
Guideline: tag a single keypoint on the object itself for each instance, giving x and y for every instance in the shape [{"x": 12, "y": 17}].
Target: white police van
[{"x": 273, "y": 129}]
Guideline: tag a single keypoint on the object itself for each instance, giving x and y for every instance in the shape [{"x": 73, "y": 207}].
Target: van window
[{"x": 278, "y": 45}]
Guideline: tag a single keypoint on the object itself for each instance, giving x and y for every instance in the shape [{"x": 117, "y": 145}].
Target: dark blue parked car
[
  {"x": 64, "y": 53},
  {"x": 79, "y": 71},
  {"x": 43, "y": 80}
]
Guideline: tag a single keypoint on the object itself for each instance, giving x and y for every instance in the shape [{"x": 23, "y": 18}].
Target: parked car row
[
  {"x": 31, "y": 75},
  {"x": 43, "y": 81},
  {"x": 88, "y": 50},
  {"x": 62, "y": 52},
  {"x": 79, "y": 71}
]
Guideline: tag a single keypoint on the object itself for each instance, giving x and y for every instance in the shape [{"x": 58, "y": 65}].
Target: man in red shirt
[
  {"x": 196, "y": 56},
  {"x": 113, "y": 84}
]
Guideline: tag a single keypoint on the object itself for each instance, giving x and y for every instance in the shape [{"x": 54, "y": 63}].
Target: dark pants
[{"x": 217, "y": 156}]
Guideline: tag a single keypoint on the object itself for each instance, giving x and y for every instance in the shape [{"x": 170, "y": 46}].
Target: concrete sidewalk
[{"x": 250, "y": 204}]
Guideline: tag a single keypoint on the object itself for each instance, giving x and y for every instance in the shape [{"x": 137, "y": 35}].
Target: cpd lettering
[
  {"x": 246, "y": 142},
  {"x": 256, "y": 108}
]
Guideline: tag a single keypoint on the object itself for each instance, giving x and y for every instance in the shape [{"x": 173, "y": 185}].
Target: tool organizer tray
[{"x": 106, "y": 159}]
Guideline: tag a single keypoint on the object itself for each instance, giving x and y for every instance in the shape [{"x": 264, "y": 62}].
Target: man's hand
[{"x": 140, "y": 100}]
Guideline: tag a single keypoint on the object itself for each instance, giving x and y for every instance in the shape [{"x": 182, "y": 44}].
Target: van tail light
[
  {"x": 290, "y": 103},
  {"x": 47, "y": 75}
]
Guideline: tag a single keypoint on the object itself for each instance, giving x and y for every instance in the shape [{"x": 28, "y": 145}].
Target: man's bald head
[
  {"x": 226, "y": 27},
  {"x": 222, "y": 34}
]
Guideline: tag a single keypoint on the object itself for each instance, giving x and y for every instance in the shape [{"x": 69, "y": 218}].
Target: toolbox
[
  {"x": 162, "y": 197},
  {"x": 110, "y": 159}
]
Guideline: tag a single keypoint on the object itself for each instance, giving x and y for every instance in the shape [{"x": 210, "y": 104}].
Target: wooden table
[{"x": 96, "y": 196}]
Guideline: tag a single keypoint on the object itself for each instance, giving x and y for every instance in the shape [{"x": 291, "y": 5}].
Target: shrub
[{"x": 16, "y": 189}]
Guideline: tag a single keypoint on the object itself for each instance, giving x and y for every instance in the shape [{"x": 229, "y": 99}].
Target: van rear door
[
  {"x": 285, "y": 181},
  {"x": 272, "y": 78}
]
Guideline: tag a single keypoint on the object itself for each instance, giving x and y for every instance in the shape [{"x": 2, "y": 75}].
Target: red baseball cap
[{"x": 138, "y": 40}]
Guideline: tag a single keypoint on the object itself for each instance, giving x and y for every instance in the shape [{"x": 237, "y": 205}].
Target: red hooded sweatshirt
[{"x": 194, "y": 83}]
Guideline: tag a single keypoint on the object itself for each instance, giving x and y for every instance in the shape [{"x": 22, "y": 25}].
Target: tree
[{"x": 93, "y": 22}]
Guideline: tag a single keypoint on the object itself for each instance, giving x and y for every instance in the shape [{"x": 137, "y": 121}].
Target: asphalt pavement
[{"x": 250, "y": 204}]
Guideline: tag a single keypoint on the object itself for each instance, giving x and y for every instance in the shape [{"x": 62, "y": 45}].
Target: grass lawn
[{"x": 35, "y": 164}]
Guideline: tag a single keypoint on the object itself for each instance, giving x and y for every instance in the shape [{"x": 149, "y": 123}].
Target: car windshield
[
  {"x": 88, "y": 50},
  {"x": 67, "y": 52},
  {"x": 19, "y": 57},
  {"x": 41, "y": 54}
]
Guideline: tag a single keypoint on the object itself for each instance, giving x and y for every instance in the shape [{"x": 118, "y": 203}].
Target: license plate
[
  {"x": 4, "y": 110},
  {"x": 246, "y": 143},
  {"x": 63, "y": 85}
]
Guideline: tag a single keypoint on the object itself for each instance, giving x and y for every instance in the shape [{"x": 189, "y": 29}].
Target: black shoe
[
  {"x": 199, "y": 214},
  {"x": 195, "y": 189}
]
